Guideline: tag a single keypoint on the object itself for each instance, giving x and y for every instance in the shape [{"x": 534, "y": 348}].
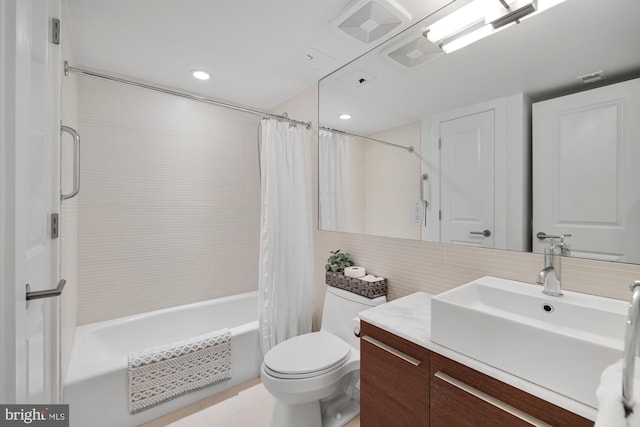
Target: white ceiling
[
  {"x": 255, "y": 49},
  {"x": 541, "y": 57}
]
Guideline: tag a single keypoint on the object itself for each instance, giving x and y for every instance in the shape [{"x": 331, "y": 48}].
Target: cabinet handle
[
  {"x": 491, "y": 400},
  {"x": 389, "y": 349}
]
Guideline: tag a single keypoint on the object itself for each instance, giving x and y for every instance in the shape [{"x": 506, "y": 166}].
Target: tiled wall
[
  {"x": 169, "y": 208},
  {"x": 414, "y": 266},
  {"x": 160, "y": 226}
]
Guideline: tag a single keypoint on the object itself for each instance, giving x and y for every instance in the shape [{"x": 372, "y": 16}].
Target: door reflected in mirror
[{"x": 528, "y": 130}]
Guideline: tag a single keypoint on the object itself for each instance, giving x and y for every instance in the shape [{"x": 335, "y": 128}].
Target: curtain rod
[
  {"x": 69, "y": 69},
  {"x": 409, "y": 149}
]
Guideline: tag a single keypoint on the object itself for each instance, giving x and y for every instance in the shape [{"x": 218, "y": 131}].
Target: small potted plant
[{"x": 337, "y": 261}]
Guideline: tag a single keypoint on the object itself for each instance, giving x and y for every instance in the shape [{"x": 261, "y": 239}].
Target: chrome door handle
[
  {"x": 76, "y": 157},
  {"x": 46, "y": 293},
  {"x": 485, "y": 233}
]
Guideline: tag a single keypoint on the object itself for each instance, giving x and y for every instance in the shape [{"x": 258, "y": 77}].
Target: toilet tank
[{"x": 340, "y": 307}]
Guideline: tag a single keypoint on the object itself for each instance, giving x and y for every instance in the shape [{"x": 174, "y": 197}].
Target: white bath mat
[{"x": 162, "y": 373}]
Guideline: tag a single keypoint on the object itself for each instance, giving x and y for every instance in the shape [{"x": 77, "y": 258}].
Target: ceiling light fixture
[
  {"x": 200, "y": 75},
  {"x": 466, "y": 39},
  {"x": 456, "y": 22},
  {"x": 345, "y": 116},
  {"x": 479, "y": 19},
  {"x": 506, "y": 13}
]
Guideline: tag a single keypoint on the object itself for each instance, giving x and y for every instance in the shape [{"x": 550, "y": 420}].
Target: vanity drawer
[
  {"x": 394, "y": 380},
  {"x": 461, "y": 396}
]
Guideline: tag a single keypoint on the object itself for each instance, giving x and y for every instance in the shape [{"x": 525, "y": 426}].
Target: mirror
[{"x": 391, "y": 170}]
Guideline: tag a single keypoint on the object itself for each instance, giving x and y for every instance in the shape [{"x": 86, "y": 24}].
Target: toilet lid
[{"x": 306, "y": 354}]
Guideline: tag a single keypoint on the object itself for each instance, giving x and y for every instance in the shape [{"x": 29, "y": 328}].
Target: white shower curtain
[
  {"x": 333, "y": 181},
  {"x": 286, "y": 245}
]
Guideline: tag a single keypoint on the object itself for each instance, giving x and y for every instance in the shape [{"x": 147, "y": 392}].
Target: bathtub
[{"x": 96, "y": 386}]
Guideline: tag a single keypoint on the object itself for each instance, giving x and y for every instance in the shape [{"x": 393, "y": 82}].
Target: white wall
[
  {"x": 380, "y": 201},
  {"x": 169, "y": 208},
  {"x": 412, "y": 265},
  {"x": 393, "y": 183}
]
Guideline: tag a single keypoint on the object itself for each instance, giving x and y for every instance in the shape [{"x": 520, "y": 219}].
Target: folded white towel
[
  {"x": 355, "y": 271},
  {"x": 610, "y": 409},
  {"x": 371, "y": 278}
]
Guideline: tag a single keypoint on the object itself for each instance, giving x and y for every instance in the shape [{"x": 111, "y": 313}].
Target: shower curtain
[
  {"x": 333, "y": 181},
  {"x": 286, "y": 245}
]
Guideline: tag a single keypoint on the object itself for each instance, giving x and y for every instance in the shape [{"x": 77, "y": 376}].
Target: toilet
[{"x": 314, "y": 377}]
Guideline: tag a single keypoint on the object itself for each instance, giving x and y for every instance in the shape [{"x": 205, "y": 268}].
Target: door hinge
[
  {"x": 55, "y": 31},
  {"x": 439, "y": 143},
  {"x": 55, "y": 225},
  {"x": 440, "y": 215}
]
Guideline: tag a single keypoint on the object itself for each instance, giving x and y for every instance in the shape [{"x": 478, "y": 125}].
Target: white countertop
[{"x": 410, "y": 318}]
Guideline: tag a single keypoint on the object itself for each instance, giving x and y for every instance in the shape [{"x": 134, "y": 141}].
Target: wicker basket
[{"x": 357, "y": 286}]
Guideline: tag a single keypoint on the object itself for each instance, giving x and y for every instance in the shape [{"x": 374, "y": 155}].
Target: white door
[
  {"x": 31, "y": 116},
  {"x": 467, "y": 180},
  {"x": 586, "y": 171}
]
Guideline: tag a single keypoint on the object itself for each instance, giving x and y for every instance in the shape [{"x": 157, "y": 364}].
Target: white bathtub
[{"x": 96, "y": 387}]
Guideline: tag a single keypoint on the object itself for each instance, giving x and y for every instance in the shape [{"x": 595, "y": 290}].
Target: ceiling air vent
[
  {"x": 412, "y": 50},
  {"x": 592, "y": 77},
  {"x": 369, "y": 20}
]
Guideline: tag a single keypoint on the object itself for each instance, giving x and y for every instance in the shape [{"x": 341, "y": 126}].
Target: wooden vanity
[{"x": 407, "y": 384}]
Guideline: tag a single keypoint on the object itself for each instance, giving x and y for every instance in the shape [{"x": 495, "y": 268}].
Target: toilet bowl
[{"x": 313, "y": 377}]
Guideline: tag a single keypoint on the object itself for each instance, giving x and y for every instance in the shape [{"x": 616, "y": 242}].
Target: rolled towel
[
  {"x": 355, "y": 272},
  {"x": 609, "y": 393}
]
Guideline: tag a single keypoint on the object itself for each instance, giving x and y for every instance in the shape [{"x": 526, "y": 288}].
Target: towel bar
[{"x": 631, "y": 340}]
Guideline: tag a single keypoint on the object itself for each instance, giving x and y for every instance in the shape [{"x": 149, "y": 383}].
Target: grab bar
[
  {"x": 630, "y": 348},
  {"x": 76, "y": 157}
]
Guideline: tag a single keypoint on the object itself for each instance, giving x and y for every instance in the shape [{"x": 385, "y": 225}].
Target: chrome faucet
[{"x": 551, "y": 273}]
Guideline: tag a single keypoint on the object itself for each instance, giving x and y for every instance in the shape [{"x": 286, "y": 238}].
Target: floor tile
[
  {"x": 245, "y": 405},
  {"x": 239, "y": 400},
  {"x": 174, "y": 416}
]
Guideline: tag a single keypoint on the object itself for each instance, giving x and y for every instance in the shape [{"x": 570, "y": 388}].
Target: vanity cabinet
[
  {"x": 461, "y": 396},
  {"x": 404, "y": 384},
  {"x": 394, "y": 380}
]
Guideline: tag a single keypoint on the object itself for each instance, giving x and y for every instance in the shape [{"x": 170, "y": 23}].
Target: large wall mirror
[{"x": 490, "y": 135}]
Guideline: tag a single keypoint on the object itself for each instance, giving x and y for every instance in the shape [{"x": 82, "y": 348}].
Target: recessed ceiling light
[
  {"x": 200, "y": 75},
  {"x": 345, "y": 116}
]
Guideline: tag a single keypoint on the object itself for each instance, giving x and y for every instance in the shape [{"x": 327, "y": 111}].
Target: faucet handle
[{"x": 565, "y": 249}]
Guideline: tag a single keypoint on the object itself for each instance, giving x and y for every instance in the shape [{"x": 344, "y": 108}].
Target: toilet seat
[{"x": 306, "y": 356}]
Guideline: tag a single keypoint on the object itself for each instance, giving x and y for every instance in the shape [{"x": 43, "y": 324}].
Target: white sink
[{"x": 561, "y": 343}]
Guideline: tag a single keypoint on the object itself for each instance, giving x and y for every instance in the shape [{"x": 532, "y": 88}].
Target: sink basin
[{"x": 561, "y": 343}]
